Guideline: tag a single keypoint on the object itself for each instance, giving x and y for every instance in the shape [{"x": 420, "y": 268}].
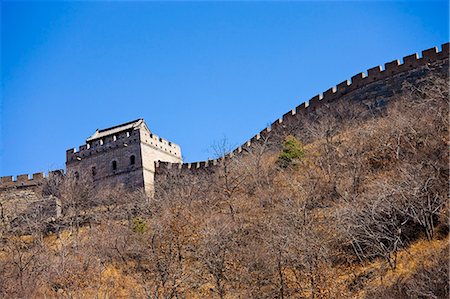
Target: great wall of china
[
  {"x": 377, "y": 83},
  {"x": 362, "y": 85}
]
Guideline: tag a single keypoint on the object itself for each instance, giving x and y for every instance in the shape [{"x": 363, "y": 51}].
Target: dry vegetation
[{"x": 356, "y": 209}]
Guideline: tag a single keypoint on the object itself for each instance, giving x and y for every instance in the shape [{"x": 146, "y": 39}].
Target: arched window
[
  {"x": 132, "y": 160},
  {"x": 114, "y": 165}
]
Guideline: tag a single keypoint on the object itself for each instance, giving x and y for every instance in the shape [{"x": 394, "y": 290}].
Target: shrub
[
  {"x": 292, "y": 152},
  {"x": 139, "y": 225}
]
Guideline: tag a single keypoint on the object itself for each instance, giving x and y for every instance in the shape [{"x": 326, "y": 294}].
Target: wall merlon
[
  {"x": 70, "y": 153},
  {"x": 23, "y": 178},
  {"x": 312, "y": 103},
  {"x": 38, "y": 176},
  {"x": 264, "y": 133},
  {"x": 6, "y": 179},
  {"x": 95, "y": 143},
  {"x": 445, "y": 51},
  {"x": 122, "y": 135},
  {"x": 358, "y": 79},
  {"x": 430, "y": 54},
  {"x": 109, "y": 139},
  {"x": 247, "y": 144},
  {"x": 329, "y": 94},
  {"x": 411, "y": 60},
  {"x": 392, "y": 67},
  {"x": 274, "y": 125},
  {"x": 374, "y": 72},
  {"x": 342, "y": 87},
  {"x": 300, "y": 108}
]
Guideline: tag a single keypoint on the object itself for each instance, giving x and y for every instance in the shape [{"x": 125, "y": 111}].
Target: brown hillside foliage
[{"x": 361, "y": 212}]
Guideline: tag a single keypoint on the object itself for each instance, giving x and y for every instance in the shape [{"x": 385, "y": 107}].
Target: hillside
[{"x": 350, "y": 201}]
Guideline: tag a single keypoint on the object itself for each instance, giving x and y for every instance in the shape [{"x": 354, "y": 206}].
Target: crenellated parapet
[
  {"x": 121, "y": 139},
  {"x": 161, "y": 144},
  {"x": 26, "y": 180},
  {"x": 376, "y": 74},
  {"x": 195, "y": 165},
  {"x": 100, "y": 145}
]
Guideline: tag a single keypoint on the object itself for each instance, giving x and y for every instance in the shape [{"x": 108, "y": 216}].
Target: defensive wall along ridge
[
  {"x": 347, "y": 87},
  {"x": 358, "y": 83},
  {"x": 27, "y": 180}
]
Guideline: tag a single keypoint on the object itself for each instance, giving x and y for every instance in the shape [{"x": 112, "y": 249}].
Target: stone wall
[
  {"x": 16, "y": 201},
  {"x": 154, "y": 149},
  {"x": 372, "y": 89}
]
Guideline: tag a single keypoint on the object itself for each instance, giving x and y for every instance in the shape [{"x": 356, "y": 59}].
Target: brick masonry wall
[
  {"x": 15, "y": 201},
  {"x": 153, "y": 149},
  {"x": 372, "y": 89}
]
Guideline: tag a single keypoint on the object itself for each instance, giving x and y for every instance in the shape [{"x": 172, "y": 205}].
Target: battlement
[
  {"x": 195, "y": 165},
  {"x": 121, "y": 139},
  {"x": 378, "y": 73},
  {"x": 26, "y": 180},
  {"x": 161, "y": 144}
]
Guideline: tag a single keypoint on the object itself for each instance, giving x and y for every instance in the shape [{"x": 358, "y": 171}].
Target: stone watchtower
[{"x": 123, "y": 154}]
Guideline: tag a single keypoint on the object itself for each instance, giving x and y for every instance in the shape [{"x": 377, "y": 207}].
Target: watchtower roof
[{"x": 117, "y": 129}]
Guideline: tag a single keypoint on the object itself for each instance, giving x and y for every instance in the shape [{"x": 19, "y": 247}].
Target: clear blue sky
[{"x": 195, "y": 71}]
